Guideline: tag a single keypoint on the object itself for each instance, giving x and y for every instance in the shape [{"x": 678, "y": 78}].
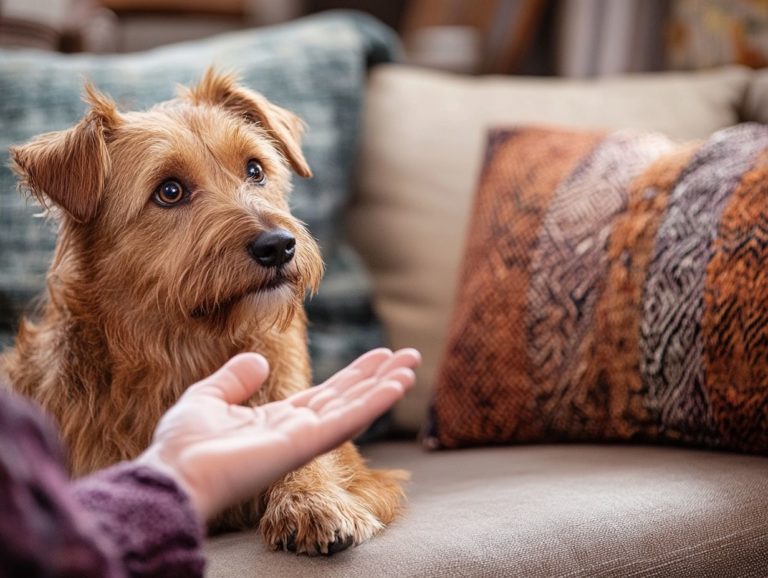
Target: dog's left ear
[
  {"x": 69, "y": 167},
  {"x": 284, "y": 126}
]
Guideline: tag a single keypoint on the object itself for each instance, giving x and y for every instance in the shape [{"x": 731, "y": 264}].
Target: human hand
[{"x": 221, "y": 452}]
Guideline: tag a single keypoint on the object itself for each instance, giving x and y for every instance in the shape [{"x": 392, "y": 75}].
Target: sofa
[
  {"x": 527, "y": 510},
  {"x": 565, "y": 510}
]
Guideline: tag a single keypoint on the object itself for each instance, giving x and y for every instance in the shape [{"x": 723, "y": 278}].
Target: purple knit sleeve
[
  {"x": 122, "y": 522},
  {"x": 147, "y": 519}
]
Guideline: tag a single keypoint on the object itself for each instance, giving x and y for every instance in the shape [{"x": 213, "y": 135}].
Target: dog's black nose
[{"x": 273, "y": 248}]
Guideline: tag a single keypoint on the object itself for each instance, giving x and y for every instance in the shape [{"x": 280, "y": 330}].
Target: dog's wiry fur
[{"x": 144, "y": 300}]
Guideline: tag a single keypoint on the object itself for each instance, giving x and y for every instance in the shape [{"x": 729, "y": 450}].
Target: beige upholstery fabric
[
  {"x": 422, "y": 149},
  {"x": 756, "y": 103},
  {"x": 549, "y": 511}
]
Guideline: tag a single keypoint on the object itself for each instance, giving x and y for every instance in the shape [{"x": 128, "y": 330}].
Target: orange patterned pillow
[{"x": 614, "y": 287}]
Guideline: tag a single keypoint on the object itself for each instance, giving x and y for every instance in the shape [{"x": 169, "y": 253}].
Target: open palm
[{"x": 222, "y": 452}]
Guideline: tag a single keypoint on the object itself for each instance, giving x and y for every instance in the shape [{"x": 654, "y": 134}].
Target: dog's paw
[{"x": 318, "y": 522}]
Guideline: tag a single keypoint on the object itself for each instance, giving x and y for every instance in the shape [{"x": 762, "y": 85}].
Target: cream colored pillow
[
  {"x": 423, "y": 142},
  {"x": 756, "y": 102}
]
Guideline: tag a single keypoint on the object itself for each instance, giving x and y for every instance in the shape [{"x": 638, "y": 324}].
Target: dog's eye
[
  {"x": 169, "y": 193},
  {"x": 254, "y": 172}
]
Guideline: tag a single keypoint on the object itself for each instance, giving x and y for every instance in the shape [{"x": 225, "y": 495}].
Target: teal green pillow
[{"x": 315, "y": 67}]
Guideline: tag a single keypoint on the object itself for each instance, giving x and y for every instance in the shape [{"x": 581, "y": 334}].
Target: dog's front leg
[
  {"x": 332, "y": 503},
  {"x": 335, "y": 501}
]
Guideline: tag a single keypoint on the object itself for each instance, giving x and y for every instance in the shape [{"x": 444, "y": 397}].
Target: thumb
[{"x": 236, "y": 380}]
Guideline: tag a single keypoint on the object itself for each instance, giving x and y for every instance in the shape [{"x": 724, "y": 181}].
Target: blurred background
[{"x": 571, "y": 38}]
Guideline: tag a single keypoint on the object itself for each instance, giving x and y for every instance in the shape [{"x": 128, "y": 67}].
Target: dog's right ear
[{"x": 69, "y": 168}]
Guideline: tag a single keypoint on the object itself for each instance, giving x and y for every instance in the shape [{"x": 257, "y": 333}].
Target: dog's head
[{"x": 180, "y": 212}]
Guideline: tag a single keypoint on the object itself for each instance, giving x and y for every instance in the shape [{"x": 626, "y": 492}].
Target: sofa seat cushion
[{"x": 571, "y": 510}]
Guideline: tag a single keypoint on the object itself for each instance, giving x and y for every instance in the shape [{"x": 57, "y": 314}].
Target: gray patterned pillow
[{"x": 315, "y": 67}]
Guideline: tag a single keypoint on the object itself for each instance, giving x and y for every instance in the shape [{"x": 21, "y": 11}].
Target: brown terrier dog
[{"x": 176, "y": 250}]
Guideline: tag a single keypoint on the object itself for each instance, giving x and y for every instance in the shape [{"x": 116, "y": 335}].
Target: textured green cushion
[{"x": 315, "y": 67}]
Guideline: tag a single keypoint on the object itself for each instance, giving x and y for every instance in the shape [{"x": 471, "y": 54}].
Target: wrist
[{"x": 152, "y": 458}]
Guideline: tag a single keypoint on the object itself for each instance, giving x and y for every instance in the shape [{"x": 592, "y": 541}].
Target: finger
[
  {"x": 367, "y": 364},
  {"x": 342, "y": 379},
  {"x": 355, "y": 388},
  {"x": 404, "y": 375},
  {"x": 412, "y": 353},
  {"x": 401, "y": 374},
  {"x": 336, "y": 393},
  {"x": 322, "y": 397},
  {"x": 362, "y": 368},
  {"x": 236, "y": 380},
  {"x": 361, "y": 391},
  {"x": 402, "y": 358},
  {"x": 338, "y": 424}
]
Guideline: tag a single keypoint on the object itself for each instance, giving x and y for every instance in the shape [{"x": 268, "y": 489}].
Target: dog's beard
[
  {"x": 271, "y": 305},
  {"x": 271, "y": 302}
]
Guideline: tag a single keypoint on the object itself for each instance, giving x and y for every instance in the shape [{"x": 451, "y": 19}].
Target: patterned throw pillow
[
  {"x": 315, "y": 67},
  {"x": 614, "y": 287}
]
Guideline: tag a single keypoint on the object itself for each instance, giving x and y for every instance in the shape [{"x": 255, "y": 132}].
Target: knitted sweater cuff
[{"x": 146, "y": 519}]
